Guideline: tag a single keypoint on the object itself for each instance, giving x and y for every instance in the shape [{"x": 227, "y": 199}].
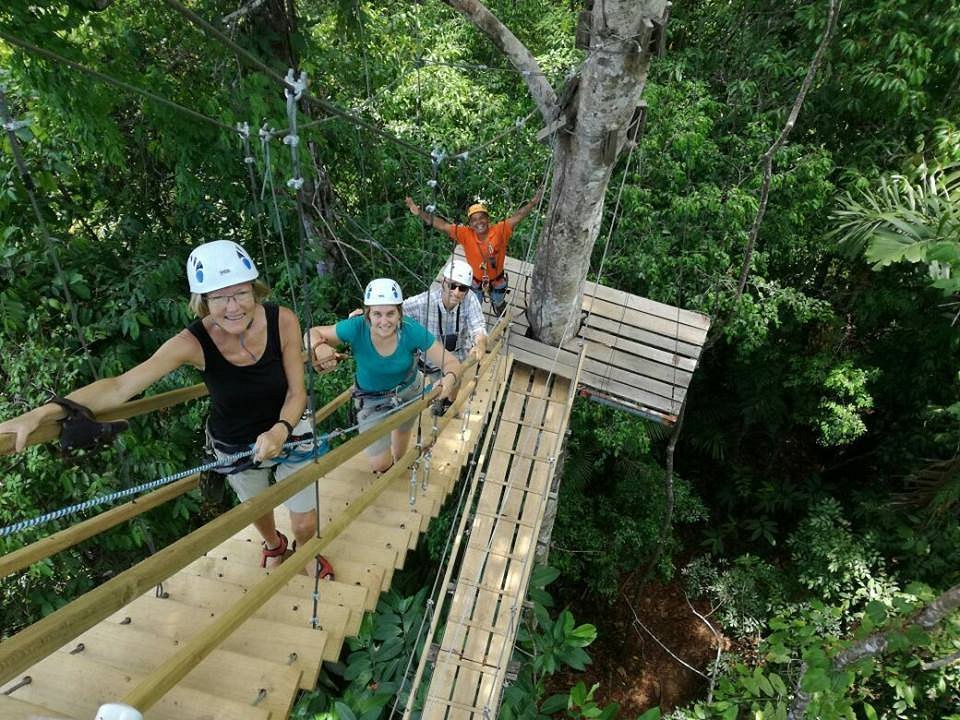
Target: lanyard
[{"x": 440, "y": 330}]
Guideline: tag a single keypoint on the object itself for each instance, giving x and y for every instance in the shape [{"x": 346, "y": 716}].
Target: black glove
[
  {"x": 440, "y": 406},
  {"x": 82, "y": 431}
]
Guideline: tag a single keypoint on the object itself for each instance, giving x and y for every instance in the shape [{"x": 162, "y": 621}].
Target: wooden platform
[
  {"x": 641, "y": 354},
  {"x": 259, "y": 669},
  {"x": 484, "y": 614}
]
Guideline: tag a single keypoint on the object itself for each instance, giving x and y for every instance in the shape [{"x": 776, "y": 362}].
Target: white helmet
[
  {"x": 459, "y": 271},
  {"x": 219, "y": 264},
  {"x": 382, "y": 291}
]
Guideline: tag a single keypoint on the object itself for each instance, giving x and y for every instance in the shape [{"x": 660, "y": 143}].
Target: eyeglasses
[
  {"x": 458, "y": 287},
  {"x": 240, "y": 298}
]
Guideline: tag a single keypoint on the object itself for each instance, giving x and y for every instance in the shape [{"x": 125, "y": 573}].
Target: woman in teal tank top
[{"x": 385, "y": 346}]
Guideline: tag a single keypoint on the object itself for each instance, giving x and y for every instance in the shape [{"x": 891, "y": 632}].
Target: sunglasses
[{"x": 458, "y": 286}]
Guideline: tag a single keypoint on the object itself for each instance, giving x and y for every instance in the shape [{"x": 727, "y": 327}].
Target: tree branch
[
  {"x": 942, "y": 662},
  {"x": 501, "y": 36},
  {"x": 876, "y": 643},
  {"x": 779, "y": 142},
  {"x": 719, "y": 638}
]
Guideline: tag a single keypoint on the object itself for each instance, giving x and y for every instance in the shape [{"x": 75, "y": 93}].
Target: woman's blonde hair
[{"x": 198, "y": 302}]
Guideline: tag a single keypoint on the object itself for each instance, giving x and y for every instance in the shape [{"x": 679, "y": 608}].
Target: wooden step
[
  {"x": 282, "y": 608},
  {"x": 72, "y": 684},
  {"x": 348, "y": 568},
  {"x": 382, "y": 513},
  {"x": 226, "y": 674},
  {"x": 12, "y": 709},
  {"x": 360, "y": 547},
  {"x": 274, "y": 642},
  {"x": 352, "y": 597}
]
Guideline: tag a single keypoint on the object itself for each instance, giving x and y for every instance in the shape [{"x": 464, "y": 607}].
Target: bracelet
[
  {"x": 287, "y": 425},
  {"x": 451, "y": 372}
]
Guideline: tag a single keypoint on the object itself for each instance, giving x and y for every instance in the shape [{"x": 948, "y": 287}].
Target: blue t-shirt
[{"x": 375, "y": 372}]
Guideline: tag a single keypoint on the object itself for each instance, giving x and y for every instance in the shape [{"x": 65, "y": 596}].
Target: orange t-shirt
[{"x": 493, "y": 252}]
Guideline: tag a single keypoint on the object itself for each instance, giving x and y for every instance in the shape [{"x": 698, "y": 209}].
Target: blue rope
[{"x": 322, "y": 446}]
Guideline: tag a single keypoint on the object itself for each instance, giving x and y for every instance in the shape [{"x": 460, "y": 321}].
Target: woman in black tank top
[{"x": 248, "y": 352}]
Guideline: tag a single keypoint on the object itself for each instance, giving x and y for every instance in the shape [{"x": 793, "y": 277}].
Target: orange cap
[{"x": 475, "y": 208}]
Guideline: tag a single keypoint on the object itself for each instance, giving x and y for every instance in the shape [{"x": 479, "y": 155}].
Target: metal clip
[{"x": 295, "y": 85}]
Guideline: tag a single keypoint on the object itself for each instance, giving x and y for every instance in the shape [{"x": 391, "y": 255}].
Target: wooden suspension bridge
[{"x": 198, "y": 631}]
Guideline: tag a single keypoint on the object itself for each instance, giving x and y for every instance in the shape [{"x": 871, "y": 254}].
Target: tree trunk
[
  {"x": 611, "y": 81},
  {"x": 598, "y": 107}
]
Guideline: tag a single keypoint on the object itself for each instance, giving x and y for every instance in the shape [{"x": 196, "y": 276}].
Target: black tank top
[{"x": 244, "y": 401}]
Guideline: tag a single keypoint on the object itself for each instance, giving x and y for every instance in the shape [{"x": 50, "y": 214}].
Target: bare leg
[
  {"x": 380, "y": 462},
  {"x": 267, "y": 527},
  {"x": 399, "y": 440},
  {"x": 304, "y": 525}
]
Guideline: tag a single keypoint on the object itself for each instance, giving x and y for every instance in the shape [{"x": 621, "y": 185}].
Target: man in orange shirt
[{"x": 484, "y": 245}]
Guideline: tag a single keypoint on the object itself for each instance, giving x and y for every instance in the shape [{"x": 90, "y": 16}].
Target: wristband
[{"x": 287, "y": 425}]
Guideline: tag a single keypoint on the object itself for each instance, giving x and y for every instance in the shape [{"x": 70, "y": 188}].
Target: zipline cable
[
  {"x": 253, "y": 60},
  {"x": 50, "y": 55},
  {"x": 11, "y": 128}
]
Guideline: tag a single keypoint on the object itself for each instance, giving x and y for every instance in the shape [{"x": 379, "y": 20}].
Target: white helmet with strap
[
  {"x": 459, "y": 271},
  {"x": 219, "y": 264},
  {"x": 382, "y": 291}
]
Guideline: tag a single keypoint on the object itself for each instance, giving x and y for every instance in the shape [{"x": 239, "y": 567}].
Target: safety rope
[
  {"x": 136, "y": 490},
  {"x": 11, "y": 129},
  {"x": 266, "y": 134},
  {"x": 254, "y": 61},
  {"x": 243, "y": 130},
  {"x": 50, "y": 55}
]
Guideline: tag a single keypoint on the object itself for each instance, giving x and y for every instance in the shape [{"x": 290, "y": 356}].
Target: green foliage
[
  {"x": 743, "y": 593},
  {"x": 611, "y": 501},
  {"x": 545, "y": 645},
  {"x": 376, "y": 665},
  {"x": 835, "y": 563}
]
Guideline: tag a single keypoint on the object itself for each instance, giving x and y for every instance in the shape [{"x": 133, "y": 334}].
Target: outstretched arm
[
  {"x": 520, "y": 214},
  {"x": 182, "y": 349},
  {"x": 437, "y": 222}
]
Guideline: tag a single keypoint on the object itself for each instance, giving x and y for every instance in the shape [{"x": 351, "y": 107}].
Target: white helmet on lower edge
[
  {"x": 382, "y": 291},
  {"x": 459, "y": 271},
  {"x": 219, "y": 264}
]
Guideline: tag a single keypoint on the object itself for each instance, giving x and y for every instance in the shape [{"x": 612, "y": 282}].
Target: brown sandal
[{"x": 278, "y": 551}]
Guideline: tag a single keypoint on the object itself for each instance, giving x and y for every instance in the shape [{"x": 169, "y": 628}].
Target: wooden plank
[
  {"x": 76, "y": 686},
  {"x": 668, "y": 361},
  {"x": 165, "y": 677},
  {"x": 352, "y": 597},
  {"x": 619, "y": 297},
  {"x": 668, "y": 343},
  {"x": 636, "y": 377},
  {"x": 441, "y": 677},
  {"x": 44, "y": 636},
  {"x": 222, "y": 673},
  {"x": 13, "y": 709},
  {"x": 279, "y": 607},
  {"x": 352, "y": 563},
  {"x": 273, "y": 642}
]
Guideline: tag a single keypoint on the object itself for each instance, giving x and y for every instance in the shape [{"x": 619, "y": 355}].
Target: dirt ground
[{"x": 631, "y": 667}]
